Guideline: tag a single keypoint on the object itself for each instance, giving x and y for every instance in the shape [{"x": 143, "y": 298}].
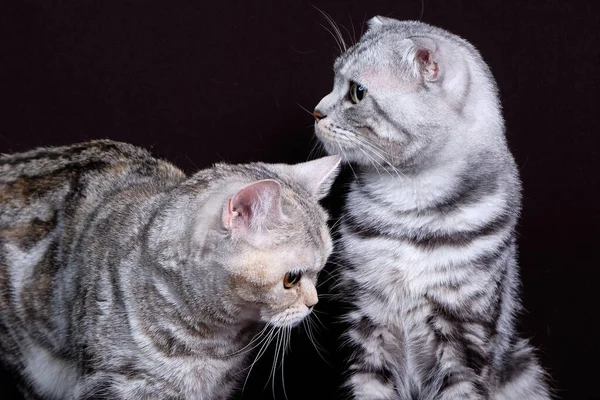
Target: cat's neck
[
  {"x": 422, "y": 189},
  {"x": 207, "y": 327}
]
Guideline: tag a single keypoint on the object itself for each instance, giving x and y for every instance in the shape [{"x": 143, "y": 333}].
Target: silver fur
[
  {"x": 428, "y": 235},
  {"x": 121, "y": 278}
]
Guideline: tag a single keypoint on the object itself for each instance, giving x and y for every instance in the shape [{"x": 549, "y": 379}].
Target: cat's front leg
[
  {"x": 371, "y": 368},
  {"x": 461, "y": 355}
]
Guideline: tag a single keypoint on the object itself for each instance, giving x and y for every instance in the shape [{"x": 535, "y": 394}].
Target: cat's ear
[
  {"x": 253, "y": 207},
  {"x": 423, "y": 57},
  {"x": 378, "y": 21},
  {"x": 318, "y": 175}
]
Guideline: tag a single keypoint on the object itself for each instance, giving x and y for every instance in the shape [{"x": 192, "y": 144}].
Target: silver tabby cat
[
  {"x": 428, "y": 233},
  {"x": 121, "y": 278}
]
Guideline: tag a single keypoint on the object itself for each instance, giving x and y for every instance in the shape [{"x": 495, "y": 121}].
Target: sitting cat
[
  {"x": 121, "y": 278},
  {"x": 428, "y": 234}
]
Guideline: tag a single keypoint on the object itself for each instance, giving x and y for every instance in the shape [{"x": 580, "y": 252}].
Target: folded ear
[
  {"x": 254, "y": 207},
  {"x": 423, "y": 57},
  {"x": 378, "y": 21},
  {"x": 318, "y": 175}
]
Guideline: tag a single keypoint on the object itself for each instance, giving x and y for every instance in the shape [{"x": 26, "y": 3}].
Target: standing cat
[
  {"x": 428, "y": 234},
  {"x": 121, "y": 278}
]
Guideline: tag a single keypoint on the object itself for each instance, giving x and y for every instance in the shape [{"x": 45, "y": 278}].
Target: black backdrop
[{"x": 200, "y": 82}]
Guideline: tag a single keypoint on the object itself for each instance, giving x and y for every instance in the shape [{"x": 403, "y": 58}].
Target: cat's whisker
[
  {"x": 353, "y": 139},
  {"x": 335, "y": 224},
  {"x": 304, "y": 108},
  {"x": 363, "y": 146},
  {"x": 325, "y": 271},
  {"x": 318, "y": 348},
  {"x": 339, "y": 38},
  {"x": 265, "y": 345},
  {"x": 376, "y": 151},
  {"x": 330, "y": 261},
  {"x": 266, "y": 337},
  {"x": 372, "y": 145},
  {"x": 329, "y": 295},
  {"x": 319, "y": 320},
  {"x": 339, "y": 44},
  {"x": 275, "y": 358},
  {"x": 287, "y": 337},
  {"x": 352, "y": 169},
  {"x": 371, "y": 159},
  {"x": 317, "y": 147},
  {"x": 347, "y": 31},
  {"x": 341, "y": 152},
  {"x": 323, "y": 282},
  {"x": 245, "y": 349},
  {"x": 353, "y": 30},
  {"x": 258, "y": 343}
]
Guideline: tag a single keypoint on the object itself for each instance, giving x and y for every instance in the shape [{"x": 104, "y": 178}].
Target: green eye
[
  {"x": 291, "y": 279},
  {"x": 357, "y": 92}
]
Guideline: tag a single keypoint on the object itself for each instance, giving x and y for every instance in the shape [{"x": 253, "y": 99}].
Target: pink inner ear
[
  {"x": 252, "y": 205},
  {"x": 431, "y": 67},
  {"x": 423, "y": 55}
]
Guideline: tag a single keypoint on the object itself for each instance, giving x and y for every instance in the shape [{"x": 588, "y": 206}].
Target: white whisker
[
  {"x": 337, "y": 34},
  {"x": 265, "y": 345}
]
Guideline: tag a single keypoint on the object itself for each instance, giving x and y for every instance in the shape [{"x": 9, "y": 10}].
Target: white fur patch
[
  {"x": 51, "y": 376},
  {"x": 21, "y": 264},
  {"x": 367, "y": 387}
]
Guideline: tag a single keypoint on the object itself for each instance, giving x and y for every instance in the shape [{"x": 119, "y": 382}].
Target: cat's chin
[
  {"x": 288, "y": 319},
  {"x": 333, "y": 148}
]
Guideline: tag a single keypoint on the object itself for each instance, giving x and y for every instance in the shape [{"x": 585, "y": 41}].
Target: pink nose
[{"x": 318, "y": 115}]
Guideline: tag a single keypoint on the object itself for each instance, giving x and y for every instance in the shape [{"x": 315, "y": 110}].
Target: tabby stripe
[
  {"x": 54, "y": 154},
  {"x": 366, "y": 230},
  {"x": 471, "y": 189},
  {"x": 358, "y": 365},
  {"x": 398, "y": 126}
]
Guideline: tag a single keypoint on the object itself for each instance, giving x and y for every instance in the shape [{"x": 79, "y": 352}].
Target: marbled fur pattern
[
  {"x": 427, "y": 255},
  {"x": 120, "y": 278}
]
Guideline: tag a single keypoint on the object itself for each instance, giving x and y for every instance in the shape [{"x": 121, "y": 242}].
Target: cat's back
[
  {"x": 47, "y": 198},
  {"x": 44, "y": 189},
  {"x": 37, "y": 183},
  {"x": 41, "y": 170}
]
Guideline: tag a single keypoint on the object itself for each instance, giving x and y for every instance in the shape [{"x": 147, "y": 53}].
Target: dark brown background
[{"x": 200, "y": 82}]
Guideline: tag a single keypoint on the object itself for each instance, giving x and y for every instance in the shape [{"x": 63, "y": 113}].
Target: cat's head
[
  {"x": 407, "y": 94},
  {"x": 270, "y": 237}
]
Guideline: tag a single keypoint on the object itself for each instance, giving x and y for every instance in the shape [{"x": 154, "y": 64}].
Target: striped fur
[
  {"x": 427, "y": 245},
  {"x": 121, "y": 278}
]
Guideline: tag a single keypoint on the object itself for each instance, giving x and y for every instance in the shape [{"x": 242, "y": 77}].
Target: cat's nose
[
  {"x": 310, "y": 303},
  {"x": 318, "y": 115},
  {"x": 310, "y": 296}
]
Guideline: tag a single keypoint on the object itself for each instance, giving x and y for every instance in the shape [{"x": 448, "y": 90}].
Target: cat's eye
[
  {"x": 357, "y": 92},
  {"x": 291, "y": 279}
]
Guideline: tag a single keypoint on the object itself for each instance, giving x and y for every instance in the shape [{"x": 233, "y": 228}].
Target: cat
[
  {"x": 121, "y": 278},
  {"x": 427, "y": 239}
]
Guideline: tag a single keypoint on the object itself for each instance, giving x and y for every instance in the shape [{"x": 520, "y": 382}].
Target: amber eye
[
  {"x": 291, "y": 279},
  {"x": 357, "y": 92}
]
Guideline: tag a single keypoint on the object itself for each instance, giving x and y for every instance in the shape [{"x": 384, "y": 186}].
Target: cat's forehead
[
  {"x": 381, "y": 46},
  {"x": 372, "y": 50}
]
